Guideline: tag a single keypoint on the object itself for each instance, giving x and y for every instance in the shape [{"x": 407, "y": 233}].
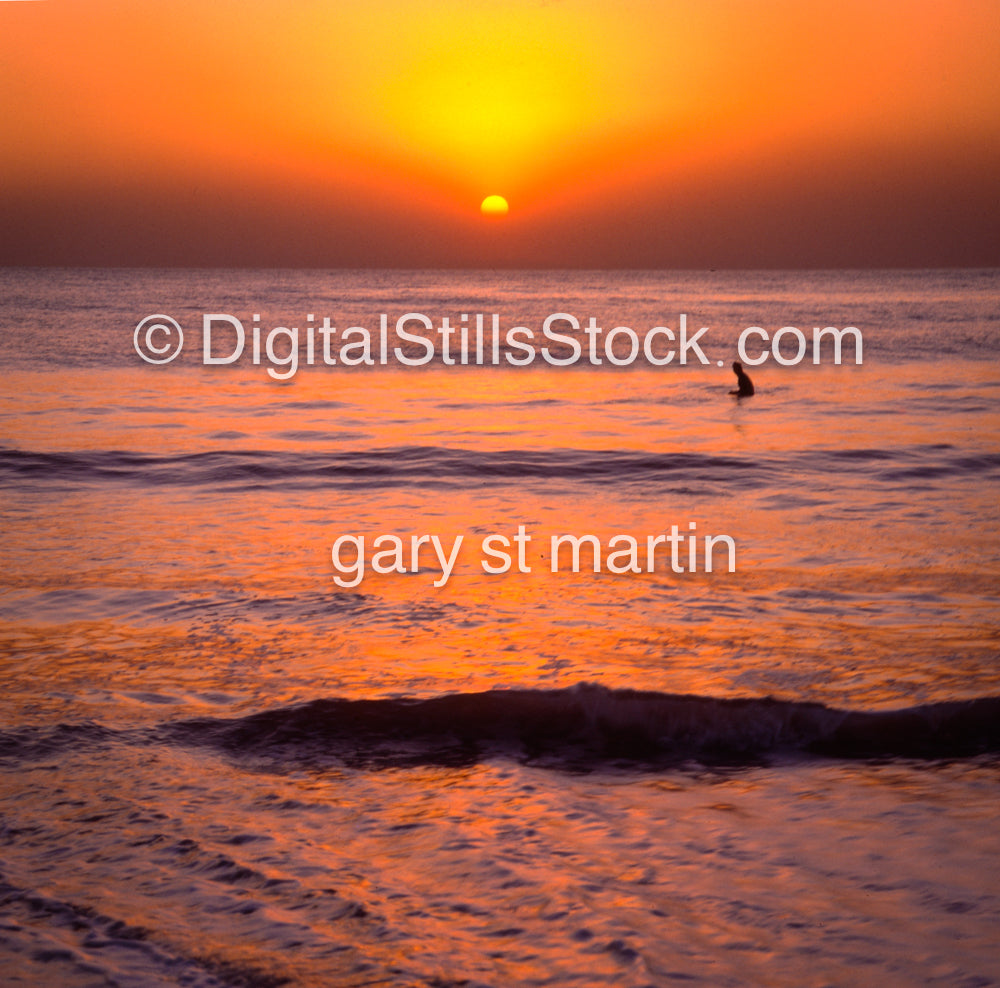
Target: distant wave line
[
  {"x": 577, "y": 727},
  {"x": 436, "y": 466}
]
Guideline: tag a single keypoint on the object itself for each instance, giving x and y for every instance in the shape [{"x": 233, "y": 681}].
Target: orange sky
[{"x": 721, "y": 133}]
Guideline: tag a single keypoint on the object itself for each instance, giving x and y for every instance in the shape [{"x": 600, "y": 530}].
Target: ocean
[{"x": 303, "y": 684}]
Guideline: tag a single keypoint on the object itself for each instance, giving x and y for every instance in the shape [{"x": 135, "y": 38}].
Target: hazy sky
[{"x": 650, "y": 133}]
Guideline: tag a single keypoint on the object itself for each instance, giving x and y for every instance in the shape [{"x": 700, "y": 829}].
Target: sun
[{"x": 494, "y": 206}]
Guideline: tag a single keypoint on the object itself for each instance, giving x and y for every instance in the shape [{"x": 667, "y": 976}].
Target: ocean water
[{"x": 223, "y": 766}]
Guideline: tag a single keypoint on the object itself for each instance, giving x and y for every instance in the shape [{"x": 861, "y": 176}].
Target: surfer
[{"x": 745, "y": 385}]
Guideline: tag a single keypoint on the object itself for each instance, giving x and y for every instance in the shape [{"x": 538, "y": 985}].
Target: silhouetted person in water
[{"x": 745, "y": 388}]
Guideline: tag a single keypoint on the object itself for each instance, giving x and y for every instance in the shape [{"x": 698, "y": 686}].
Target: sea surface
[{"x": 222, "y": 766}]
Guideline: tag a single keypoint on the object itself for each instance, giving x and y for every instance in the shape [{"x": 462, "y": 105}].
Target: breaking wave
[
  {"x": 437, "y": 466},
  {"x": 589, "y": 724},
  {"x": 581, "y": 726}
]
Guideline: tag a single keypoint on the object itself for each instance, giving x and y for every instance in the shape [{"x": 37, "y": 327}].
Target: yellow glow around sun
[
  {"x": 477, "y": 100},
  {"x": 494, "y": 206}
]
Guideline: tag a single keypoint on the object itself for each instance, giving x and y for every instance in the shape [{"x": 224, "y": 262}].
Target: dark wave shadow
[
  {"x": 587, "y": 726},
  {"x": 580, "y": 728}
]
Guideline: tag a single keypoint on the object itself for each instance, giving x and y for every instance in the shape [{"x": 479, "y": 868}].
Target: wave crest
[{"x": 587, "y": 724}]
